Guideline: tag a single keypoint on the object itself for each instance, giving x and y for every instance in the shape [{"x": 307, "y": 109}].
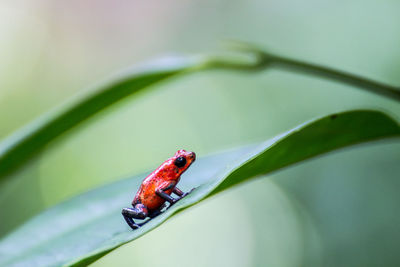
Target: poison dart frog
[{"x": 157, "y": 187}]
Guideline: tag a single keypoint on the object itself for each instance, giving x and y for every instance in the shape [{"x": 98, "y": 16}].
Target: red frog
[{"x": 157, "y": 188}]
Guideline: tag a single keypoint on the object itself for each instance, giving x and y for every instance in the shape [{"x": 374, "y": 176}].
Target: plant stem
[
  {"x": 336, "y": 75},
  {"x": 265, "y": 61}
]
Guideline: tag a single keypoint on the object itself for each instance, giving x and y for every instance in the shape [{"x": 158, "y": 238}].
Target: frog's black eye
[{"x": 180, "y": 162}]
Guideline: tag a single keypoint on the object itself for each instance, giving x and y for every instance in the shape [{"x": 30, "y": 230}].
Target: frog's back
[{"x": 147, "y": 191}]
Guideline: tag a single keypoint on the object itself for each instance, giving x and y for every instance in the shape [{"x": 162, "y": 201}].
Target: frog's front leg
[
  {"x": 139, "y": 211},
  {"x": 161, "y": 192}
]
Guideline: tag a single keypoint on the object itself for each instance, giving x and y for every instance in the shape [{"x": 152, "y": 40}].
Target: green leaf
[
  {"x": 83, "y": 229},
  {"x": 20, "y": 147}
]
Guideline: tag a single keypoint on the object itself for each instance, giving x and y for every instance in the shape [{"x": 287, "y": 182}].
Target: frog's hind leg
[
  {"x": 138, "y": 212},
  {"x": 151, "y": 215},
  {"x": 129, "y": 214}
]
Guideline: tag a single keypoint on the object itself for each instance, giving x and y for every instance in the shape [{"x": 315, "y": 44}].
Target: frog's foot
[
  {"x": 152, "y": 215},
  {"x": 180, "y": 196},
  {"x": 180, "y": 193},
  {"x": 157, "y": 212},
  {"x": 187, "y": 193}
]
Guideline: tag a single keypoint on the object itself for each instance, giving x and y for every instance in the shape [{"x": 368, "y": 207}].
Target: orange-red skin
[{"x": 160, "y": 178}]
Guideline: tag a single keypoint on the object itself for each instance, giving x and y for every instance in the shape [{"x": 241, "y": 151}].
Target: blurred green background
[{"x": 338, "y": 210}]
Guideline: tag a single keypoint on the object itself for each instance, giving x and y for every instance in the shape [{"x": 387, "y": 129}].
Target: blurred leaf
[
  {"x": 20, "y": 147},
  {"x": 83, "y": 229}
]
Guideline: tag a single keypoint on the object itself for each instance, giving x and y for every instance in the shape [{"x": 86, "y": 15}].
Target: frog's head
[{"x": 183, "y": 159}]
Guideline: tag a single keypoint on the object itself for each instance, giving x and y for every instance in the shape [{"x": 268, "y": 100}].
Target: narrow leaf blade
[
  {"x": 309, "y": 140},
  {"x": 20, "y": 147}
]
